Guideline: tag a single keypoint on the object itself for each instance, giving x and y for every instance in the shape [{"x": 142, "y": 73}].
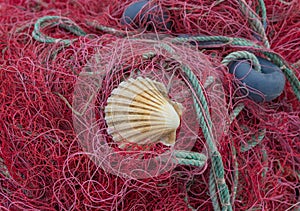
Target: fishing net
[
  {"x": 60, "y": 62},
  {"x": 131, "y": 58}
]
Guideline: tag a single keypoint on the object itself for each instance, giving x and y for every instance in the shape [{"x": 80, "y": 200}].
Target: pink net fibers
[
  {"x": 55, "y": 153},
  {"x": 131, "y": 58}
]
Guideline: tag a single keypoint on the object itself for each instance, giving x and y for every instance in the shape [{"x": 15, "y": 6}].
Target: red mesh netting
[{"x": 45, "y": 165}]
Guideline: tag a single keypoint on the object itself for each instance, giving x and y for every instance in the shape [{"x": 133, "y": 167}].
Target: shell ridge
[
  {"x": 140, "y": 124},
  {"x": 152, "y": 96},
  {"x": 138, "y": 98},
  {"x": 118, "y": 114},
  {"x": 138, "y": 137},
  {"x": 144, "y": 127},
  {"x": 142, "y": 87},
  {"x": 155, "y": 88},
  {"x": 146, "y": 137},
  {"x": 140, "y": 111},
  {"x": 132, "y": 117},
  {"x": 131, "y": 133},
  {"x": 157, "y": 95},
  {"x": 134, "y": 104},
  {"x": 145, "y": 109}
]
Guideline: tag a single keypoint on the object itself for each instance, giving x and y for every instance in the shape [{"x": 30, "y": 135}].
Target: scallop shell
[{"x": 140, "y": 111}]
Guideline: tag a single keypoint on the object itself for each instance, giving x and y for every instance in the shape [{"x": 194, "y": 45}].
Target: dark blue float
[
  {"x": 263, "y": 86},
  {"x": 139, "y": 13}
]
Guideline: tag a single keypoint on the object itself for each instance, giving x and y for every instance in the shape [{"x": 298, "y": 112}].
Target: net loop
[{"x": 50, "y": 21}]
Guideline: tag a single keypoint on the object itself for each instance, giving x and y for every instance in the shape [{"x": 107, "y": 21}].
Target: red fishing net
[{"x": 55, "y": 153}]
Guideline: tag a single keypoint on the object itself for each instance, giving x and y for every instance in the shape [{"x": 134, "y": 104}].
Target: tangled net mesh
[
  {"x": 46, "y": 165},
  {"x": 132, "y": 58}
]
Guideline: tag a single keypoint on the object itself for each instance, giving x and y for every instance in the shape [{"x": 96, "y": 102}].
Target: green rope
[
  {"x": 190, "y": 158},
  {"x": 290, "y": 75},
  {"x": 218, "y": 171},
  {"x": 203, "y": 103},
  {"x": 212, "y": 191},
  {"x": 236, "y": 172},
  {"x": 292, "y": 78},
  {"x": 236, "y": 111},
  {"x": 205, "y": 122},
  {"x": 210, "y": 79},
  {"x": 223, "y": 39},
  {"x": 110, "y": 30},
  {"x": 255, "y": 140},
  {"x": 263, "y": 13},
  {"x": 242, "y": 55},
  {"x": 186, "y": 198},
  {"x": 296, "y": 64},
  {"x": 3, "y": 169},
  {"x": 186, "y": 158},
  {"x": 234, "y": 41},
  {"x": 254, "y": 21},
  {"x": 62, "y": 22},
  {"x": 265, "y": 162}
]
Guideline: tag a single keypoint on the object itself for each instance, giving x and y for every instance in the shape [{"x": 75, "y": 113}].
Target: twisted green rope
[
  {"x": 236, "y": 172},
  {"x": 217, "y": 181},
  {"x": 257, "y": 25},
  {"x": 234, "y": 41},
  {"x": 218, "y": 173},
  {"x": 217, "y": 164},
  {"x": 263, "y": 13},
  {"x": 62, "y": 22},
  {"x": 255, "y": 140},
  {"x": 212, "y": 191},
  {"x": 205, "y": 122},
  {"x": 239, "y": 42},
  {"x": 110, "y": 30},
  {"x": 201, "y": 97},
  {"x": 201, "y": 108},
  {"x": 72, "y": 27},
  {"x": 254, "y": 21},
  {"x": 190, "y": 158},
  {"x": 236, "y": 111},
  {"x": 292, "y": 78},
  {"x": 242, "y": 55}
]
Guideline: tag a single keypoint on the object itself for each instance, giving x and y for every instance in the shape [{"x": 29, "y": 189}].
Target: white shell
[{"x": 140, "y": 111}]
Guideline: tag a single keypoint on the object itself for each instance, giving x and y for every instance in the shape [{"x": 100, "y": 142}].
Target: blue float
[
  {"x": 144, "y": 11},
  {"x": 261, "y": 86}
]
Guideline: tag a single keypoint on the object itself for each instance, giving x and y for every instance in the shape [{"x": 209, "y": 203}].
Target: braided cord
[
  {"x": 201, "y": 107},
  {"x": 263, "y": 13},
  {"x": 63, "y": 22},
  {"x": 213, "y": 192},
  {"x": 201, "y": 104},
  {"x": 242, "y": 55},
  {"x": 72, "y": 27},
  {"x": 254, "y": 21},
  {"x": 217, "y": 164},
  {"x": 110, "y": 30},
  {"x": 289, "y": 73},
  {"x": 217, "y": 182},
  {"x": 190, "y": 158},
  {"x": 239, "y": 42}
]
